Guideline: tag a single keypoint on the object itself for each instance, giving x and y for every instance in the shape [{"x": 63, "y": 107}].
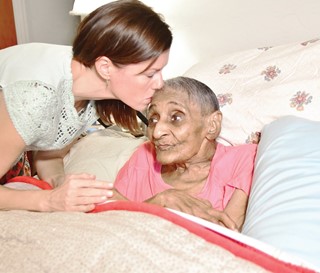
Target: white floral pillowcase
[{"x": 257, "y": 86}]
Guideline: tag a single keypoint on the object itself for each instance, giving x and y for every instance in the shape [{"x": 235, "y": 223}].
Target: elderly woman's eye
[
  {"x": 152, "y": 120},
  {"x": 176, "y": 118}
]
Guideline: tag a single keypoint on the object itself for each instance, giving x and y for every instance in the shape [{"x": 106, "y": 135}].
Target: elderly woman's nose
[{"x": 159, "y": 129}]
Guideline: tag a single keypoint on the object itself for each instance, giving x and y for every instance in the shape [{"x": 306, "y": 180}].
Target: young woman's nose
[{"x": 158, "y": 81}]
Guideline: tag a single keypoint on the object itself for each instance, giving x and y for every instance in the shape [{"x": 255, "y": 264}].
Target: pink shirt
[{"x": 231, "y": 168}]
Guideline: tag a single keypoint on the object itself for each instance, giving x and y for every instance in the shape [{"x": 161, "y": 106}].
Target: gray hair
[{"x": 197, "y": 91}]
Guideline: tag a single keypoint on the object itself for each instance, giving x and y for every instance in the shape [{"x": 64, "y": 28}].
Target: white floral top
[{"x": 36, "y": 81}]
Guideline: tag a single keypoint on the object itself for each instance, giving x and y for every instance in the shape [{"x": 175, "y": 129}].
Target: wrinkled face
[
  {"x": 176, "y": 127},
  {"x": 135, "y": 85}
]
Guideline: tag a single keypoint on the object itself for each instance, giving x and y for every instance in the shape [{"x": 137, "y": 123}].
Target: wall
[
  {"x": 46, "y": 21},
  {"x": 208, "y": 28}
]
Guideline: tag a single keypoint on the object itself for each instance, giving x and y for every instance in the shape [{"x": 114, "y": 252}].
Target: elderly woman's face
[{"x": 176, "y": 127}]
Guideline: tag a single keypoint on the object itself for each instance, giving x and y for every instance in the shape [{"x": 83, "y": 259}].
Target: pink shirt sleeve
[{"x": 231, "y": 168}]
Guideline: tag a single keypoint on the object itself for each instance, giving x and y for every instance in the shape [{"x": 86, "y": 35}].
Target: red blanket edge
[{"x": 31, "y": 180}]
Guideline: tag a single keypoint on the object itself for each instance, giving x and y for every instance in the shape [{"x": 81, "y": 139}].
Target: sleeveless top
[{"x": 36, "y": 81}]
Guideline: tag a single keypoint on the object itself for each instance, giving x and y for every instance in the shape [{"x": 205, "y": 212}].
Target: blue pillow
[{"x": 284, "y": 204}]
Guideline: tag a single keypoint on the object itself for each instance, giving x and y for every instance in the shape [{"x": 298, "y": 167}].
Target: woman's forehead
[{"x": 170, "y": 96}]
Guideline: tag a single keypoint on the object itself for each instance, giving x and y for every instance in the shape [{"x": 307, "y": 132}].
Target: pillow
[
  {"x": 284, "y": 203},
  {"x": 102, "y": 153},
  {"x": 257, "y": 86}
]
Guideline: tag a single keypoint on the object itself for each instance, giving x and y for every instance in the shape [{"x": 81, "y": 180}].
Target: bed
[{"x": 268, "y": 95}]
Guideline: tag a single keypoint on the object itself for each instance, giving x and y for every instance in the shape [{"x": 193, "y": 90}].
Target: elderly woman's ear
[{"x": 214, "y": 127}]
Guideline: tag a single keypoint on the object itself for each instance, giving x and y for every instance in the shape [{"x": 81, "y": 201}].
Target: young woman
[{"x": 50, "y": 94}]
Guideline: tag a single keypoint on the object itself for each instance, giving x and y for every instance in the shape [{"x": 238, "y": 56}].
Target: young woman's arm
[
  {"x": 11, "y": 147},
  {"x": 71, "y": 191},
  {"x": 49, "y": 165},
  {"x": 78, "y": 192},
  {"x": 11, "y": 143}
]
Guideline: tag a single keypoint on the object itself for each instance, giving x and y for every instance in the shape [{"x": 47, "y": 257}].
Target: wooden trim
[{"x": 8, "y": 35}]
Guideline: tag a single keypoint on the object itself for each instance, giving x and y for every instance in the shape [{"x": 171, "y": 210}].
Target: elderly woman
[{"x": 183, "y": 167}]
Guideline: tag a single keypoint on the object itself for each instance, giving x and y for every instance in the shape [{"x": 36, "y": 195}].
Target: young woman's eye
[{"x": 150, "y": 75}]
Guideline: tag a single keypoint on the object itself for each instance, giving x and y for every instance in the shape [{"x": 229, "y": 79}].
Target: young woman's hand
[
  {"x": 184, "y": 202},
  {"x": 79, "y": 192}
]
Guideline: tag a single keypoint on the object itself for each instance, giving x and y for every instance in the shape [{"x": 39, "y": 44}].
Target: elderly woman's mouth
[{"x": 164, "y": 147}]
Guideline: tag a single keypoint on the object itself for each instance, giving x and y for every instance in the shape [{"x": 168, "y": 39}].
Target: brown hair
[{"x": 127, "y": 32}]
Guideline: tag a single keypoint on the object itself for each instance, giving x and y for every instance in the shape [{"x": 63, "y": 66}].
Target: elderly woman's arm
[
  {"x": 184, "y": 202},
  {"x": 237, "y": 206}
]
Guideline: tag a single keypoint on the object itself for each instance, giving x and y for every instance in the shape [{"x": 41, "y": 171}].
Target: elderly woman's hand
[
  {"x": 184, "y": 202},
  {"x": 79, "y": 192}
]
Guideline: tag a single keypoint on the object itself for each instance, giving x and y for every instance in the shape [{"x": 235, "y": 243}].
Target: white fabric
[
  {"x": 21, "y": 186},
  {"x": 36, "y": 81},
  {"x": 284, "y": 204},
  {"x": 257, "y": 86},
  {"x": 102, "y": 153}
]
